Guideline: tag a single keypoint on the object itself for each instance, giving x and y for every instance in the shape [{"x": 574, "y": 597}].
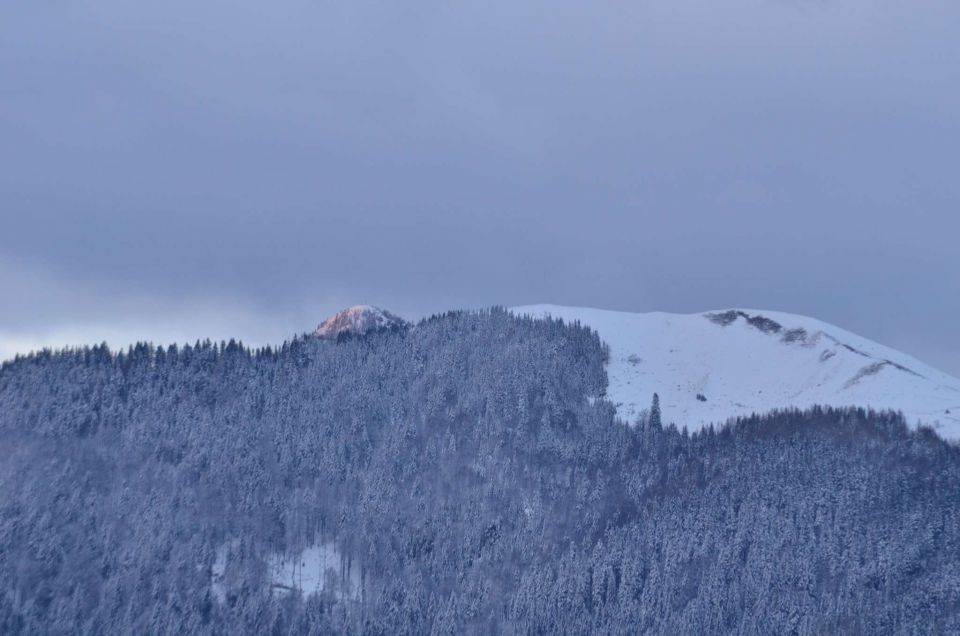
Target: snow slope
[
  {"x": 744, "y": 361},
  {"x": 317, "y": 568}
]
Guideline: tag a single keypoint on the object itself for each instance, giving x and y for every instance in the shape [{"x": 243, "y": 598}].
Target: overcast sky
[{"x": 180, "y": 169}]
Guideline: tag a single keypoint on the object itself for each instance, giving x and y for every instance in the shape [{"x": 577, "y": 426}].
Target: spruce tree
[{"x": 655, "y": 421}]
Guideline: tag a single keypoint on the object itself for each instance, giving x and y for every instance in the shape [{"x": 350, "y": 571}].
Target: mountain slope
[
  {"x": 452, "y": 478},
  {"x": 716, "y": 365}
]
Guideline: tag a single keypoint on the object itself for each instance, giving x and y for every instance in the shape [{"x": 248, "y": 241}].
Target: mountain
[
  {"x": 457, "y": 478},
  {"x": 712, "y": 366},
  {"x": 359, "y": 320}
]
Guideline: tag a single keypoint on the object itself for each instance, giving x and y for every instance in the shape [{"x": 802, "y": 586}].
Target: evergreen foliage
[
  {"x": 655, "y": 415},
  {"x": 464, "y": 464}
]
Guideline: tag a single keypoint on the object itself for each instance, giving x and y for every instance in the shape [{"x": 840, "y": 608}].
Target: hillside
[
  {"x": 450, "y": 478},
  {"x": 711, "y": 366}
]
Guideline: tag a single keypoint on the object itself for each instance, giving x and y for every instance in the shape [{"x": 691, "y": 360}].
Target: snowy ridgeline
[
  {"x": 318, "y": 568},
  {"x": 710, "y": 367}
]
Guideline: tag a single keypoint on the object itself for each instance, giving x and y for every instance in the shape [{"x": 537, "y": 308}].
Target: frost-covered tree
[{"x": 655, "y": 416}]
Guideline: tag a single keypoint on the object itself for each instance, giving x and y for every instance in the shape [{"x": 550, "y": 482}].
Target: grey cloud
[{"x": 285, "y": 158}]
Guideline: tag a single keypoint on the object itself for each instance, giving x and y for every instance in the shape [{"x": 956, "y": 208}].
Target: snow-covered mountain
[
  {"x": 359, "y": 320},
  {"x": 712, "y": 366}
]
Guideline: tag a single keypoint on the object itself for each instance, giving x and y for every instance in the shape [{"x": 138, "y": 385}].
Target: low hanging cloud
[{"x": 50, "y": 312}]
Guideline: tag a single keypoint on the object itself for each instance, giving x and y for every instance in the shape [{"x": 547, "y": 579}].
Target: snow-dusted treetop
[
  {"x": 359, "y": 320},
  {"x": 709, "y": 367}
]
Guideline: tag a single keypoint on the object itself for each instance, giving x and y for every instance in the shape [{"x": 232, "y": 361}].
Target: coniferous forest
[{"x": 464, "y": 475}]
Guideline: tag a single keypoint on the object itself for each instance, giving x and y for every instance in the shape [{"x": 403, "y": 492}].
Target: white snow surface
[
  {"x": 317, "y": 568},
  {"x": 742, "y": 364},
  {"x": 358, "y": 320}
]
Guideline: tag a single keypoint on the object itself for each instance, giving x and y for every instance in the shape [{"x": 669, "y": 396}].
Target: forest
[{"x": 464, "y": 475}]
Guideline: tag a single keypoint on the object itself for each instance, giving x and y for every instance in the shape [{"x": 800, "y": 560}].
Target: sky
[{"x": 179, "y": 170}]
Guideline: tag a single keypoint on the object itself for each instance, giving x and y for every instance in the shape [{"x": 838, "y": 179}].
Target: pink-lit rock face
[{"x": 359, "y": 320}]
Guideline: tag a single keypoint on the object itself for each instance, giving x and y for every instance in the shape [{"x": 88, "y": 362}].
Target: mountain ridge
[{"x": 708, "y": 367}]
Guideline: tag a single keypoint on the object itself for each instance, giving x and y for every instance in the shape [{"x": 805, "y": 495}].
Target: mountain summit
[
  {"x": 709, "y": 367},
  {"x": 359, "y": 320}
]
